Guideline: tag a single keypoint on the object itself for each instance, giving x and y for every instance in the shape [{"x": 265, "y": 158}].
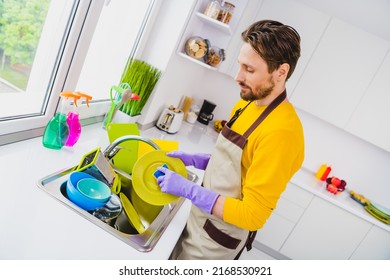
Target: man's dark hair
[{"x": 275, "y": 42}]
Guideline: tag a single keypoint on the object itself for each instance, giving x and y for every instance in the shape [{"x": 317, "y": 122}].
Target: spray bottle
[
  {"x": 73, "y": 119},
  {"x": 57, "y": 130}
]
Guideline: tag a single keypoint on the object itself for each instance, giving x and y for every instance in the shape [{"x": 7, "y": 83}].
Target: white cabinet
[
  {"x": 288, "y": 211},
  {"x": 307, "y": 227},
  {"x": 371, "y": 119},
  {"x": 339, "y": 72},
  {"x": 375, "y": 246},
  {"x": 309, "y": 23},
  {"x": 325, "y": 231},
  {"x": 219, "y": 34},
  {"x": 275, "y": 231}
]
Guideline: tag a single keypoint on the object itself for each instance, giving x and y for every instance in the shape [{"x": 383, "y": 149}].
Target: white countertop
[
  {"x": 37, "y": 226},
  {"x": 306, "y": 179}
]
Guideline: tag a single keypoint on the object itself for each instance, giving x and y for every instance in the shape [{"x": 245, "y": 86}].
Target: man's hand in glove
[
  {"x": 176, "y": 184},
  {"x": 199, "y": 161}
]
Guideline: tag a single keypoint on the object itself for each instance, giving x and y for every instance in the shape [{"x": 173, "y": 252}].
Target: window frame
[{"x": 75, "y": 43}]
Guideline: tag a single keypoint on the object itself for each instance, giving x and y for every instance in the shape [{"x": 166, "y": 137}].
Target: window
[{"x": 62, "y": 45}]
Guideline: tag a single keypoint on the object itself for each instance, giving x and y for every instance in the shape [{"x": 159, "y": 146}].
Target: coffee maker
[{"x": 206, "y": 112}]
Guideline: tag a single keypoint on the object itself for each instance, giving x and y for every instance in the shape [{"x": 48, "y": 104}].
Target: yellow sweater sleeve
[{"x": 273, "y": 153}]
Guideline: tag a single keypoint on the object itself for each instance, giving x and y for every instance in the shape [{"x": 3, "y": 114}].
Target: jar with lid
[
  {"x": 197, "y": 47},
  {"x": 214, "y": 56},
  {"x": 213, "y": 9},
  {"x": 226, "y": 12}
]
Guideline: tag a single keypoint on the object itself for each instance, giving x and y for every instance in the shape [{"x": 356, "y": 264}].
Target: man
[{"x": 255, "y": 156}]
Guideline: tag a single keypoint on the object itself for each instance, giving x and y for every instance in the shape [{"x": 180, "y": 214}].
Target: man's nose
[{"x": 239, "y": 76}]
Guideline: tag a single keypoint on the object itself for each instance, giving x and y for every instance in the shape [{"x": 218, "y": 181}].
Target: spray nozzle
[
  {"x": 70, "y": 95},
  {"x": 85, "y": 96}
]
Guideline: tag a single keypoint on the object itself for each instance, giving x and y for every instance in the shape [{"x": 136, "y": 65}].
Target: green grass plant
[{"x": 142, "y": 77}]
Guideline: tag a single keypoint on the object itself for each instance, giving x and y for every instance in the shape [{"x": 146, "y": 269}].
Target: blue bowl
[
  {"x": 94, "y": 189},
  {"x": 76, "y": 196}
]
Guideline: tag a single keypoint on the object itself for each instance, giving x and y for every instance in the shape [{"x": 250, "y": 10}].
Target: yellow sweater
[{"x": 273, "y": 153}]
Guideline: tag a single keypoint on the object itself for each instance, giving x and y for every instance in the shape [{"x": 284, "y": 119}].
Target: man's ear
[{"x": 283, "y": 71}]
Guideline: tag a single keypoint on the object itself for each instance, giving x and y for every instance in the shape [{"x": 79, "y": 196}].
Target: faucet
[{"x": 113, "y": 148}]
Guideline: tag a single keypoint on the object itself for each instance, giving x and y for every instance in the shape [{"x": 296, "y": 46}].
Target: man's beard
[{"x": 259, "y": 92}]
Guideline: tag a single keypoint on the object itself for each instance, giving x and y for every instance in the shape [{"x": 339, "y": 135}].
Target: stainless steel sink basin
[
  {"x": 155, "y": 224},
  {"x": 155, "y": 219}
]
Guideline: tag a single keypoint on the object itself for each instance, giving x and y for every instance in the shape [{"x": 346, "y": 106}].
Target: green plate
[
  {"x": 131, "y": 214},
  {"x": 144, "y": 182},
  {"x": 382, "y": 210},
  {"x": 376, "y": 215}
]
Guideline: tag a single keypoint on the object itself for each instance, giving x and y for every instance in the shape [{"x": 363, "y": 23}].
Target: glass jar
[
  {"x": 197, "y": 47},
  {"x": 214, "y": 56},
  {"x": 213, "y": 9},
  {"x": 226, "y": 12}
]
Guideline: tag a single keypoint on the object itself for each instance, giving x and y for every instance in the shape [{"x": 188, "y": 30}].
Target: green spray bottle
[{"x": 57, "y": 130}]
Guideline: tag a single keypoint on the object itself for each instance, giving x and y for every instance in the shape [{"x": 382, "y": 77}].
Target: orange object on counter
[
  {"x": 326, "y": 173},
  {"x": 321, "y": 171}
]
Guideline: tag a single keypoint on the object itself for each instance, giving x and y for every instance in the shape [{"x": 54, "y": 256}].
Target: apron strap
[
  {"x": 275, "y": 103},
  {"x": 237, "y": 113},
  {"x": 248, "y": 243}
]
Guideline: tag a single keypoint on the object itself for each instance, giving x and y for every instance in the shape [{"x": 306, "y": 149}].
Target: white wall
[
  {"x": 184, "y": 78},
  {"x": 370, "y": 15},
  {"x": 364, "y": 166},
  {"x": 181, "y": 77},
  {"x": 158, "y": 50}
]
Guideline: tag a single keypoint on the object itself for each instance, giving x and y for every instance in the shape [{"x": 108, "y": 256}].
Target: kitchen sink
[{"x": 155, "y": 219}]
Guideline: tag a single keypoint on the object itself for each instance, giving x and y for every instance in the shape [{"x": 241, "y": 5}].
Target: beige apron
[{"x": 207, "y": 236}]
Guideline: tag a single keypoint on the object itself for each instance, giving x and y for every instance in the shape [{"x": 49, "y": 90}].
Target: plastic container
[
  {"x": 321, "y": 171},
  {"x": 77, "y": 197},
  {"x": 94, "y": 189},
  {"x": 326, "y": 173}
]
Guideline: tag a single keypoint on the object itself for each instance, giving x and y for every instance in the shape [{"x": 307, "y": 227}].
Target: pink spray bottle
[{"x": 73, "y": 119}]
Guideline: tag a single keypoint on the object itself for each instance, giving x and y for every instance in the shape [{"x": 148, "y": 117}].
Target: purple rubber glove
[
  {"x": 199, "y": 161},
  {"x": 174, "y": 183}
]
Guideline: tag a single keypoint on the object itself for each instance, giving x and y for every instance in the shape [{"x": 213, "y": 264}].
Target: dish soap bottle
[
  {"x": 72, "y": 118},
  {"x": 57, "y": 130}
]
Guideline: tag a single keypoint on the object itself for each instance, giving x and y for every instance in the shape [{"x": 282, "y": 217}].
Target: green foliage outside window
[{"x": 21, "y": 23}]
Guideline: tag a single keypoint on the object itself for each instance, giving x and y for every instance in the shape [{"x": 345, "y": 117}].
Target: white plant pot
[{"x": 121, "y": 117}]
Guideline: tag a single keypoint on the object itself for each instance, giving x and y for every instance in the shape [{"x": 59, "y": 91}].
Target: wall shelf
[
  {"x": 199, "y": 62},
  {"x": 218, "y": 33},
  {"x": 214, "y": 23}
]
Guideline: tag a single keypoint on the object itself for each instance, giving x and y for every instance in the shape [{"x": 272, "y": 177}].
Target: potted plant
[{"x": 142, "y": 78}]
